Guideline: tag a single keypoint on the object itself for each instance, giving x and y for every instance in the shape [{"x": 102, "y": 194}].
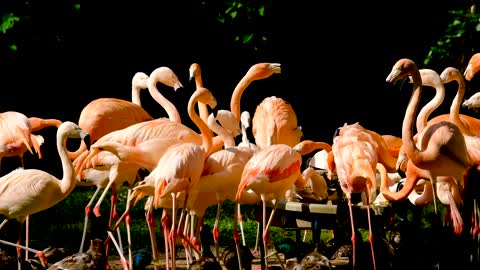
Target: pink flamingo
[{"x": 29, "y": 191}]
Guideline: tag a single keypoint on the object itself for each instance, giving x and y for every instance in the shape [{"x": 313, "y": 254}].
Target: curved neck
[
  {"x": 136, "y": 95},
  {"x": 202, "y": 107},
  {"x": 37, "y": 123},
  {"x": 224, "y": 134},
  {"x": 457, "y": 103},
  {"x": 68, "y": 182},
  {"x": 168, "y": 106},
  {"x": 237, "y": 95},
  {"x": 408, "y": 121},
  {"x": 306, "y": 147},
  {"x": 205, "y": 132},
  {"x": 434, "y": 103}
]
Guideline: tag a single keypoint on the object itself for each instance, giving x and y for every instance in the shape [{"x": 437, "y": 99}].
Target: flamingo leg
[
  {"x": 96, "y": 208},
  {"x": 123, "y": 260},
  {"x": 370, "y": 235},
  {"x": 27, "y": 237},
  {"x": 165, "y": 220},
  {"x": 173, "y": 232},
  {"x": 241, "y": 226},
  {"x": 216, "y": 234},
  {"x": 354, "y": 240},
  {"x": 40, "y": 254},
  {"x": 151, "y": 229},
  {"x": 236, "y": 236},
  {"x": 266, "y": 231},
  {"x": 88, "y": 209},
  {"x": 129, "y": 236}
]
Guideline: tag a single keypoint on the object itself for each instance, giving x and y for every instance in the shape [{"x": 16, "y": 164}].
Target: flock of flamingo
[{"x": 190, "y": 170}]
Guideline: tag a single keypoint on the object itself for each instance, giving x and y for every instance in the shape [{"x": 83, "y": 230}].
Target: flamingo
[
  {"x": 17, "y": 138},
  {"x": 145, "y": 155},
  {"x": 221, "y": 175},
  {"x": 256, "y": 72},
  {"x": 104, "y": 115},
  {"x": 128, "y": 112},
  {"x": 24, "y": 192},
  {"x": 269, "y": 173},
  {"x": 245, "y": 123},
  {"x": 180, "y": 167},
  {"x": 356, "y": 161},
  {"x": 469, "y": 126},
  {"x": 473, "y": 67},
  {"x": 444, "y": 151},
  {"x": 275, "y": 121}
]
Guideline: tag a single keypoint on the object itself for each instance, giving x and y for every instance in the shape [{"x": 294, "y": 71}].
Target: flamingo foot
[
  {"x": 41, "y": 257},
  {"x": 96, "y": 211}
]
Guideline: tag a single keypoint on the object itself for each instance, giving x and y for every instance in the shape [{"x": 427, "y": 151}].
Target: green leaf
[
  {"x": 8, "y": 20},
  {"x": 247, "y": 38},
  {"x": 261, "y": 10}
]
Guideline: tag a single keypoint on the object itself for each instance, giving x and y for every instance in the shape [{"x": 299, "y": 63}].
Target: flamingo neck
[
  {"x": 408, "y": 123},
  {"x": 202, "y": 107},
  {"x": 168, "y": 106},
  {"x": 136, "y": 95},
  {"x": 68, "y": 182},
  {"x": 426, "y": 111},
  {"x": 205, "y": 132},
  {"x": 237, "y": 95},
  {"x": 457, "y": 102}
]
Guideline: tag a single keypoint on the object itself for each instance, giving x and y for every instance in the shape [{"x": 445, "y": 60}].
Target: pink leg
[
  {"x": 370, "y": 236},
  {"x": 354, "y": 240},
  {"x": 166, "y": 223},
  {"x": 88, "y": 210},
  {"x": 236, "y": 236},
  {"x": 153, "y": 239}
]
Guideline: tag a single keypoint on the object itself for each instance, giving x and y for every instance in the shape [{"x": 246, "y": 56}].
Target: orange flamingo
[
  {"x": 104, "y": 115},
  {"x": 275, "y": 121},
  {"x": 17, "y": 137},
  {"x": 269, "y": 173},
  {"x": 144, "y": 155},
  {"x": 473, "y": 67},
  {"x": 181, "y": 166},
  {"x": 356, "y": 162},
  {"x": 28, "y": 191},
  {"x": 469, "y": 126},
  {"x": 443, "y": 147},
  {"x": 385, "y": 153},
  {"x": 256, "y": 72},
  {"x": 221, "y": 176}
]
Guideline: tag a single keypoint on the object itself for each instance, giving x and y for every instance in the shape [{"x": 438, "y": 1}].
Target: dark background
[{"x": 335, "y": 56}]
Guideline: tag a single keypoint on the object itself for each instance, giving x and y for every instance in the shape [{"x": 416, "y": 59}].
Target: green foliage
[
  {"x": 459, "y": 38},
  {"x": 245, "y": 22},
  {"x": 8, "y": 21}
]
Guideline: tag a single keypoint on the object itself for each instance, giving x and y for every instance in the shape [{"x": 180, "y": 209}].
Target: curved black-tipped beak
[
  {"x": 401, "y": 173},
  {"x": 86, "y": 139}
]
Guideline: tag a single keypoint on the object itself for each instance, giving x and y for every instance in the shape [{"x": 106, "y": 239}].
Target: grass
[{"x": 62, "y": 225}]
